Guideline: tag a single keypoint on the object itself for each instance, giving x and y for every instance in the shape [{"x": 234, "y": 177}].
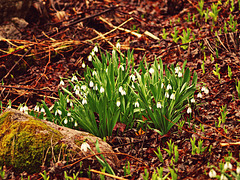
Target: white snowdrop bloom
[
  {"x": 85, "y": 146},
  {"x": 71, "y": 104},
  {"x": 118, "y": 46},
  {"x": 76, "y": 87},
  {"x": 36, "y": 108},
  {"x": 180, "y": 74},
  {"x": 77, "y": 92},
  {"x": 177, "y": 69},
  {"x": 65, "y": 121},
  {"x": 212, "y": 173},
  {"x": 83, "y": 65},
  {"x": 238, "y": 170},
  {"x": 59, "y": 112},
  {"x": 120, "y": 89},
  {"x": 166, "y": 95},
  {"x": 189, "y": 110},
  {"x": 91, "y": 84},
  {"x": 162, "y": 85},
  {"x": 94, "y": 73},
  {"x": 95, "y": 49},
  {"x": 42, "y": 110},
  {"x": 90, "y": 58},
  {"x": 74, "y": 78},
  {"x": 118, "y": 103},
  {"x": 68, "y": 100},
  {"x": 223, "y": 177},
  {"x": 133, "y": 86},
  {"x": 159, "y": 105},
  {"x": 101, "y": 89},
  {"x": 169, "y": 87},
  {"x": 151, "y": 70},
  {"x": 172, "y": 96},
  {"x": 95, "y": 87},
  {"x": 106, "y": 70},
  {"x": 25, "y": 109},
  {"x": 227, "y": 165},
  {"x": 159, "y": 67},
  {"x": 136, "y": 104},
  {"x": 21, "y": 109},
  {"x": 199, "y": 95},
  {"x": 84, "y": 87},
  {"x": 122, "y": 68},
  {"x": 84, "y": 101},
  {"x": 75, "y": 124},
  {"x": 123, "y": 93},
  {"x": 192, "y": 100},
  {"x": 132, "y": 76},
  {"x": 205, "y": 90},
  {"x": 93, "y": 53},
  {"x": 68, "y": 114},
  {"x": 61, "y": 83}
]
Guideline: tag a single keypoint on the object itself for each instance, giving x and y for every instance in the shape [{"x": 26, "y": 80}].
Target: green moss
[{"x": 24, "y": 144}]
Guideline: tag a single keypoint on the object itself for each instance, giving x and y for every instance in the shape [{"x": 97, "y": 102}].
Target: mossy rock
[{"x": 27, "y": 143}]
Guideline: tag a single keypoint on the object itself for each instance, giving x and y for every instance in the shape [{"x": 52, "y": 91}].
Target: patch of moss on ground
[{"x": 24, "y": 144}]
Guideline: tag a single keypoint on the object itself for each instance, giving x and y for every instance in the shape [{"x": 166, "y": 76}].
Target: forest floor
[{"x": 71, "y": 32}]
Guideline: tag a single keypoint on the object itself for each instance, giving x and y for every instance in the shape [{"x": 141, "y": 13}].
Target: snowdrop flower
[
  {"x": 21, "y": 109},
  {"x": 95, "y": 87},
  {"x": 68, "y": 100},
  {"x": 166, "y": 95},
  {"x": 122, "y": 67},
  {"x": 199, "y": 95},
  {"x": 132, "y": 76},
  {"x": 84, "y": 101},
  {"x": 68, "y": 114},
  {"x": 169, "y": 87},
  {"x": 159, "y": 105},
  {"x": 212, "y": 173},
  {"x": 162, "y": 85},
  {"x": 205, "y": 90},
  {"x": 227, "y": 165},
  {"x": 74, "y": 78},
  {"x": 85, "y": 146},
  {"x": 58, "y": 112},
  {"x": 36, "y": 108},
  {"x": 136, "y": 104},
  {"x": 75, "y": 124},
  {"x": 151, "y": 70},
  {"x": 95, "y": 49},
  {"x": 71, "y": 104},
  {"x": 61, "y": 83},
  {"x": 65, "y": 121},
  {"x": 120, "y": 89},
  {"x": 123, "y": 93},
  {"x": 93, "y": 53},
  {"x": 77, "y": 92},
  {"x": 83, "y": 65},
  {"x": 177, "y": 69},
  {"x": 94, "y": 73},
  {"x": 223, "y": 177},
  {"x": 172, "y": 96},
  {"x": 238, "y": 170},
  {"x": 189, "y": 110},
  {"x": 76, "y": 87},
  {"x": 42, "y": 110},
  {"x": 84, "y": 87},
  {"x": 91, "y": 84},
  {"x": 192, "y": 100},
  {"x": 106, "y": 70},
  {"x": 101, "y": 89},
  {"x": 180, "y": 74},
  {"x": 118, "y": 46},
  {"x": 118, "y": 103},
  {"x": 89, "y": 58}
]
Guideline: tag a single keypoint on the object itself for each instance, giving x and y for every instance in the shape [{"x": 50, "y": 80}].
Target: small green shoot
[
  {"x": 175, "y": 35},
  {"x": 238, "y": 88},
  {"x": 229, "y": 72},
  {"x": 216, "y": 73},
  {"x": 164, "y": 34}
]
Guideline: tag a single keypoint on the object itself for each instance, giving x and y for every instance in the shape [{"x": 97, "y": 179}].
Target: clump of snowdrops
[{"x": 115, "y": 91}]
